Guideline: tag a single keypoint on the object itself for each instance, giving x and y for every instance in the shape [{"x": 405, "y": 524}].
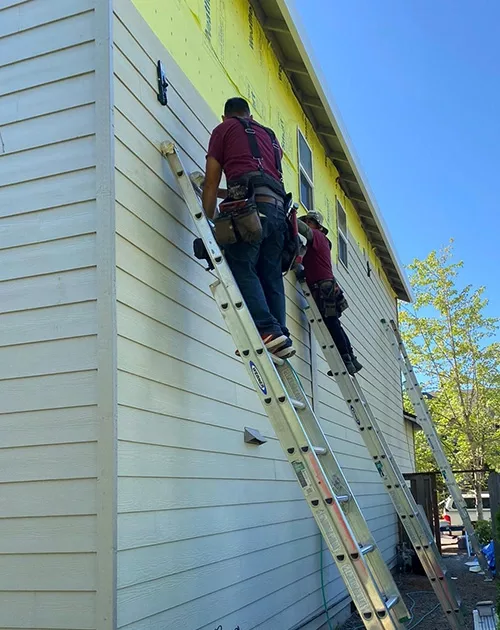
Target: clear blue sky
[{"x": 417, "y": 83}]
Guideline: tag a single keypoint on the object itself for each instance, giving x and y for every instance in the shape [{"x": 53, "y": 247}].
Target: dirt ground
[{"x": 471, "y": 588}]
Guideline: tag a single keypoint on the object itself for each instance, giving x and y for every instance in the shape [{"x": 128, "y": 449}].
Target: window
[
  {"x": 342, "y": 233},
  {"x": 305, "y": 174},
  {"x": 470, "y": 503}
]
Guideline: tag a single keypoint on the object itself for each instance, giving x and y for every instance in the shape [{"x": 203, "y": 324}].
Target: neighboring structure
[
  {"x": 128, "y": 498},
  {"x": 411, "y": 427}
]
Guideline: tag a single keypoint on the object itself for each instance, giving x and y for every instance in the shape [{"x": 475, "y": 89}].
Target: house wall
[
  {"x": 54, "y": 319},
  {"x": 211, "y": 530}
]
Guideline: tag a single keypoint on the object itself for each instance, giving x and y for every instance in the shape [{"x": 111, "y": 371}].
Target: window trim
[
  {"x": 340, "y": 233},
  {"x": 303, "y": 170}
]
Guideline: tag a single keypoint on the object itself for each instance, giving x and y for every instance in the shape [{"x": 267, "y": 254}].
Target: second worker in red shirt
[{"x": 318, "y": 270}]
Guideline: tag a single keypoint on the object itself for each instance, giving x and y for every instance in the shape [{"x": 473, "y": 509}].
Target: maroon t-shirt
[
  {"x": 317, "y": 260},
  {"x": 229, "y": 146}
]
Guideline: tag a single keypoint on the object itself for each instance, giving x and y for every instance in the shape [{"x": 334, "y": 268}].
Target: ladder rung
[
  {"x": 342, "y": 498},
  {"x": 391, "y": 601},
  {"x": 298, "y": 404},
  {"x": 366, "y": 549},
  {"x": 320, "y": 450}
]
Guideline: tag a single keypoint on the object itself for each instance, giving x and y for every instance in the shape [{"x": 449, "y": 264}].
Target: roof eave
[{"x": 343, "y": 156}]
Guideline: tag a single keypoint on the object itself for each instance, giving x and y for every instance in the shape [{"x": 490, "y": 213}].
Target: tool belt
[
  {"x": 329, "y": 297},
  {"x": 238, "y": 221}
]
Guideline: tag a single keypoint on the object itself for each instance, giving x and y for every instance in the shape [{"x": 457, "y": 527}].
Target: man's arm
[
  {"x": 213, "y": 174},
  {"x": 305, "y": 230}
]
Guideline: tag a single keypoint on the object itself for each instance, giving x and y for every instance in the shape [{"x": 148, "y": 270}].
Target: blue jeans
[{"x": 257, "y": 270}]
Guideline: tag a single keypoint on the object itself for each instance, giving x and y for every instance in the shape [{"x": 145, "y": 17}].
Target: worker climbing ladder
[
  {"x": 412, "y": 518},
  {"x": 414, "y": 392},
  {"x": 323, "y": 484}
]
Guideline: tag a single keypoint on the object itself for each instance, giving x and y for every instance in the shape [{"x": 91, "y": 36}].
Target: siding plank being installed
[
  {"x": 48, "y": 320},
  {"x": 212, "y": 530}
]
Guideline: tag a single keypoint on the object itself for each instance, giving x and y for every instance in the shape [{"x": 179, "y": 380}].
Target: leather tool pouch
[
  {"x": 327, "y": 298},
  {"x": 238, "y": 221}
]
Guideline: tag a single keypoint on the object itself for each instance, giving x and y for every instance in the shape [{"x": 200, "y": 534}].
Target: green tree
[{"x": 449, "y": 340}]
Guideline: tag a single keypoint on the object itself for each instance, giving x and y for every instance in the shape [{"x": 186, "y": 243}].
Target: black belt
[
  {"x": 269, "y": 199},
  {"x": 317, "y": 285}
]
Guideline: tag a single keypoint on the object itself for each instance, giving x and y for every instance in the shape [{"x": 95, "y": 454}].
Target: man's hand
[
  {"x": 198, "y": 180},
  {"x": 213, "y": 174}
]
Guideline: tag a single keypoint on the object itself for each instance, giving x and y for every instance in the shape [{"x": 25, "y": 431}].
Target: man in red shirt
[
  {"x": 249, "y": 155},
  {"x": 318, "y": 270}
]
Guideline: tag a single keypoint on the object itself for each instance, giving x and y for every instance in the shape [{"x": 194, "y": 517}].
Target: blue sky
[{"x": 417, "y": 83}]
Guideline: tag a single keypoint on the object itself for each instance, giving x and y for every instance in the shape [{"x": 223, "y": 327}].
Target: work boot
[
  {"x": 279, "y": 345},
  {"x": 285, "y": 351},
  {"x": 346, "y": 358},
  {"x": 356, "y": 363}
]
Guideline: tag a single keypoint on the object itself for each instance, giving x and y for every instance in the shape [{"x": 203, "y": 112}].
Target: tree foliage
[{"x": 450, "y": 341}]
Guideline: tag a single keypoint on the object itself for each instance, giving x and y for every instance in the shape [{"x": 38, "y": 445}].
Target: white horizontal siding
[
  {"x": 48, "y": 319},
  {"x": 206, "y": 522},
  {"x": 184, "y": 397}
]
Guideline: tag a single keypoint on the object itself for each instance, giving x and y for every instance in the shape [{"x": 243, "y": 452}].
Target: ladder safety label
[
  {"x": 303, "y": 477},
  {"x": 351, "y": 579},
  {"x": 258, "y": 378},
  {"x": 328, "y": 532}
]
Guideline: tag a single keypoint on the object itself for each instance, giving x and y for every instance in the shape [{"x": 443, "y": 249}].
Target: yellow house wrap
[{"x": 222, "y": 48}]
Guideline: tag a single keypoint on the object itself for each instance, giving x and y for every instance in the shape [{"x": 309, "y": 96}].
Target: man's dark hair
[{"x": 236, "y": 107}]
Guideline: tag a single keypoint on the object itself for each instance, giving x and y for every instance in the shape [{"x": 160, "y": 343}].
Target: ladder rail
[
  {"x": 422, "y": 412},
  {"x": 413, "y": 520},
  {"x": 379, "y": 610},
  {"x": 336, "y": 477}
]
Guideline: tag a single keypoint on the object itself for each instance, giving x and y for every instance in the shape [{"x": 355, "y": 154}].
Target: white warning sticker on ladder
[
  {"x": 328, "y": 532},
  {"x": 358, "y": 594},
  {"x": 303, "y": 477}
]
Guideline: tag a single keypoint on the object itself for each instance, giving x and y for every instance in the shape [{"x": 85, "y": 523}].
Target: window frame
[
  {"x": 341, "y": 234},
  {"x": 303, "y": 171}
]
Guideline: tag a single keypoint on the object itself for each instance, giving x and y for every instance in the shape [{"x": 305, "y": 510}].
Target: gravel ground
[{"x": 471, "y": 588}]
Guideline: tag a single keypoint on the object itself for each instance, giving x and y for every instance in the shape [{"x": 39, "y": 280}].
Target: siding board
[
  {"x": 46, "y": 99},
  {"x": 65, "y": 534},
  {"x": 68, "y": 461},
  {"x": 57, "y": 611},
  {"x": 150, "y": 529},
  {"x": 58, "y": 572},
  {"x": 267, "y": 573},
  {"x": 47, "y": 225},
  {"x": 49, "y": 192},
  {"x": 63, "y": 157},
  {"x": 48, "y": 324},
  {"x": 77, "y": 122},
  {"x": 49, "y": 426},
  {"x": 45, "y": 258},
  {"x": 50, "y": 498},
  {"x": 40, "y": 40},
  {"x": 67, "y": 287},
  {"x": 21, "y": 18},
  {"x": 56, "y": 322},
  {"x": 51, "y": 68}
]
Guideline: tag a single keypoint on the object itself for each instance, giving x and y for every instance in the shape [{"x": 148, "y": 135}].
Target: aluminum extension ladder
[
  {"x": 323, "y": 484},
  {"x": 412, "y": 517},
  {"x": 414, "y": 392}
]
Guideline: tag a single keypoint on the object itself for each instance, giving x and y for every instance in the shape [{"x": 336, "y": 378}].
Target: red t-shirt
[
  {"x": 317, "y": 260},
  {"x": 229, "y": 146}
]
